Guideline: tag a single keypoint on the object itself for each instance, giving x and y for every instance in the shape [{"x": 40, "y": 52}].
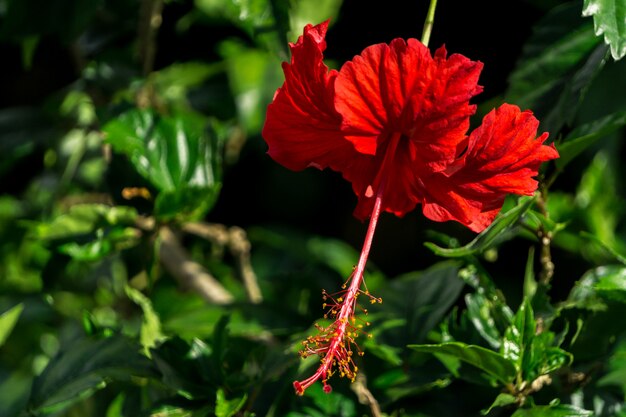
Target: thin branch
[
  {"x": 430, "y": 21},
  {"x": 240, "y": 248},
  {"x": 237, "y": 242},
  {"x": 364, "y": 395},
  {"x": 214, "y": 233},
  {"x": 545, "y": 240},
  {"x": 188, "y": 273},
  {"x": 150, "y": 19}
]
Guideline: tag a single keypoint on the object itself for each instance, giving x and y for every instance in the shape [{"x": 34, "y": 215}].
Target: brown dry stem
[
  {"x": 187, "y": 272},
  {"x": 364, "y": 395},
  {"x": 236, "y": 240}
]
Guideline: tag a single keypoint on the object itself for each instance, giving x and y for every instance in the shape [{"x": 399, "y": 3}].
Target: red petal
[
  {"x": 503, "y": 156},
  {"x": 392, "y": 168},
  {"x": 302, "y": 126},
  {"x": 401, "y": 88},
  {"x": 504, "y": 153}
]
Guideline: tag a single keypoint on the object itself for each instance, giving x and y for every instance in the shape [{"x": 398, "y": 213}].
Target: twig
[
  {"x": 545, "y": 240},
  {"x": 189, "y": 273},
  {"x": 239, "y": 246},
  {"x": 150, "y": 19},
  {"x": 364, "y": 395},
  {"x": 214, "y": 233},
  {"x": 430, "y": 21}
]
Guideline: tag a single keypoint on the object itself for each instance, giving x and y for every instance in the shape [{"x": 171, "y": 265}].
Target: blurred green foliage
[{"x": 123, "y": 294}]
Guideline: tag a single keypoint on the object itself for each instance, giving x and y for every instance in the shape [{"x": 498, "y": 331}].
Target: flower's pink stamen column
[{"x": 335, "y": 351}]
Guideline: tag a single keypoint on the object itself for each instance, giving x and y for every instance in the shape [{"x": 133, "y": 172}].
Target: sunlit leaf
[
  {"x": 84, "y": 218},
  {"x": 306, "y": 12},
  {"x": 488, "y": 361},
  {"x": 518, "y": 338},
  {"x": 150, "y": 333},
  {"x": 254, "y": 76},
  {"x": 8, "y": 319},
  {"x": 266, "y": 21},
  {"x": 503, "y": 223},
  {"x": 609, "y": 19},
  {"x": 597, "y": 196},
  {"x": 179, "y": 155},
  {"x": 611, "y": 282},
  {"x": 90, "y": 231},
  {"x": 502, "y": 400},
  {"x": 228, "y": 408}
]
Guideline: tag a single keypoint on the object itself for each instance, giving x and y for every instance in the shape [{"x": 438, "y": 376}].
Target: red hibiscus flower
[{"x": 393, "y": 121}]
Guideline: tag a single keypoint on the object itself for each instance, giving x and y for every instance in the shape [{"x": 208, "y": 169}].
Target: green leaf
[
  {"x": 420, "y": 300},
  {"x": 186, "y": 367},
  {"x": 14, "y": 392},
  {"x": 530, "y": 283},
  {"x": 598, "y": 198},
  {"x": 342, "y": 258},
  {"x": 82, "y": 219},
  {"x": 586, "y": 135},
  {"x": 263, "y": 20},
  {"x": 228, "y": 408},
  {"x": 174, "y": 82},
  {"x": 335, "y": 404},
  {"x": 89, "y": 232},
  {"x": 533, "y": 354},
  {"x": 8, "y": 319},
  {"x": 616, "y": 365},
  {"x": 479, "y": 312},
  {"x": 305, "y": 12},
  {"x": 565, "y": 109},
  {"x": 186, "y": 203},
  {"x": 611, "y": 252},
  {"x": 83, "y": 368},
  {"x": 518, "y": 338},
  {"x": 254, "y": 76},
  {"x": 559, "y": 43},
  {"x": 150, "y": 333},
  {"x": 488, "y": 237},
  {"x": 609, "y": 18},
  {"x": 502, "y": 400},
  {"x": 611, "y": 282},
  {"x": 488, "y": 361},
  {"x": 168, "y": 151},
  {"x": 179, "y": 155},
  {"x": 561, "y": 410}
]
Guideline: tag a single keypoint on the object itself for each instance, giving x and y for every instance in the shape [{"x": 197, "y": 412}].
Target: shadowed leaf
[{"x": 488, "y": 361}]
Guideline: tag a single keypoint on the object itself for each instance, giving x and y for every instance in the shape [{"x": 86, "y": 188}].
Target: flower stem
[
  {"x": 430, "y": 21},
  {"x": 334, "y": 342}
]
